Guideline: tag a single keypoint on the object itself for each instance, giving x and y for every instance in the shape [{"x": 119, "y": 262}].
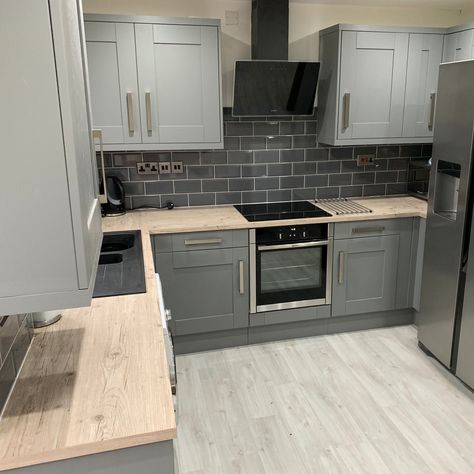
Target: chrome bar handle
[
  {"x": 432, "y": 110},
  {"x": 299, "y": 245},
  {"x": 241, "y": 277},
  {"x": 149, "y": 125},
  {"x": 131, "y": 125},
  {"x": 368, "y": 230},
  {"x": 202, "y": 241},
  {"x": 346, "y": 109},
  {"x": 340, "y": 277},
  {"x": 97, "y": 135}
]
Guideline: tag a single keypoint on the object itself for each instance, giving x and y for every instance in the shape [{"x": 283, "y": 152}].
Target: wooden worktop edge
[{"x": 88, "y": 449}]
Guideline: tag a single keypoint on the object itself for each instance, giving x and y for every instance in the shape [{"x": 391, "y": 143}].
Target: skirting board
[{"x": 276, "y": 332}]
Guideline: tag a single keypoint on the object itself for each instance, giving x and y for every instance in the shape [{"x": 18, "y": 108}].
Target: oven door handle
[{"x": 299, "y": 245}]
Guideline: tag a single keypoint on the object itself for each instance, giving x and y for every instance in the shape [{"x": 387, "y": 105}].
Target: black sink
[
  {"x": 117, "y": 242},
  {"x": 121, "y": 270}
]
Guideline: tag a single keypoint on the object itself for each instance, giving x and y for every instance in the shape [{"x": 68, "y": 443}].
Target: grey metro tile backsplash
[
  {"x": 266, "y": 159},
  {"x": 15, "y": 336}
]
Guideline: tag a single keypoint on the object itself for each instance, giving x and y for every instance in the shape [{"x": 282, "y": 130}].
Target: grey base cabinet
[
  {"x": 372, "y": 266},
  {"x": 206, "y": 289},
  {"x": 367, "y": 275}
]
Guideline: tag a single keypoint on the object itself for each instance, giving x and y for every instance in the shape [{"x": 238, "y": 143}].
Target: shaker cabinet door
[
  {"x": 372, "y": 84},
  {"x": 178, "y": 73},
  {"x": 206, "y": 290},
  {"x": 459, "y": 46},
  {"x": 365, "y": 275},
  {"x": 424, "y": 56},
  {"x": 113, "y": 81}
]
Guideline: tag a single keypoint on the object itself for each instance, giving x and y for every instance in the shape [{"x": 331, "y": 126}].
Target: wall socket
[
  {"x": 165, "y": 167},
  {"x": 365, "y": 159},
  {"x": 177, "y": 167},
  {"x": 147, "y": 167}
]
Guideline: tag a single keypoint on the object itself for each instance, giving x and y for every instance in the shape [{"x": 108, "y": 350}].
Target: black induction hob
[{"x": 275, "y": 211}]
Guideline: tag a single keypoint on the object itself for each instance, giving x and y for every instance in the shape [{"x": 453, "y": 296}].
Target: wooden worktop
[
  {"x": 227, "y": 217},
  {"x": 98, "y": 379}
]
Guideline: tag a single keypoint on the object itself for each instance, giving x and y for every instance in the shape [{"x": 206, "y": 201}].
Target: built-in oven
[{"x": 290, "y": 267}]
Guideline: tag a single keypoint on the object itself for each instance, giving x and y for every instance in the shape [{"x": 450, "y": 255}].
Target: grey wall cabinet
[
  {"x": 205, "y": 286},
  {"x": 51, "y": 229},
  {"x": 155, "y": 82},
  {"x": 459, "y": 45},
  {"x": 372, "y": 266},
  {"x": 376, "y": 83}
]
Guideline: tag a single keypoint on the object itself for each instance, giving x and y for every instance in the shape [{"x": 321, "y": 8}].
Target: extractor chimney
[{"x": 270, "y": 29}]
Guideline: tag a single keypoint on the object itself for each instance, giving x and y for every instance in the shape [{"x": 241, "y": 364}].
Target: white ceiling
[{"x": 445, "y": 4}]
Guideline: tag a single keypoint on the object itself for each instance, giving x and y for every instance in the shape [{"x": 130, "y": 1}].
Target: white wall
[{"x": 305, "y": 22}]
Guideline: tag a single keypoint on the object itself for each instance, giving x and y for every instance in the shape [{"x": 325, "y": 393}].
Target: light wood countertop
[
  {"x": 98, "y": 380},
  {"x": 95, "y": 381},
  {"x": 200, "y": 219}
]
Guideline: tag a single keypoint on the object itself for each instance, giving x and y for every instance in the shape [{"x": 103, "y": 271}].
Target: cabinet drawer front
[
  {"x": 191, "y": 241},
  {"x": 350, "y": 230},
  {"x": 209, "y": 240}
]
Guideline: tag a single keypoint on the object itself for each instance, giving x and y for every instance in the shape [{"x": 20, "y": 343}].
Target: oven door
[{"x": 291, "y": 275}]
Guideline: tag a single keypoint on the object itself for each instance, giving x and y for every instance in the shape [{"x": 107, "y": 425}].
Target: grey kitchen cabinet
[
  {"x": 376, "y": 84},
  {"x": 51, "y": 224},
  {"x": 113, "y": 81},
  {"x": 425, "y": 52},
  {"x": 155, "y": 82},
  {"x": 207, "y": 286},
  {"x": 459, "y": 44},
  {"x": 372, "y": 266},
  {"x": 372, "y": 84}
]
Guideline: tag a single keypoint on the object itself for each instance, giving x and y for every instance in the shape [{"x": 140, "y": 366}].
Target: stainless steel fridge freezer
[{"x": 446, "y": 319}]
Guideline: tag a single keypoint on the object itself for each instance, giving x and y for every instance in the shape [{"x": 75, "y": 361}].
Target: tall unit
[
  {"x": 51, "y": 226},
  {"x": 446, "y": 319}
]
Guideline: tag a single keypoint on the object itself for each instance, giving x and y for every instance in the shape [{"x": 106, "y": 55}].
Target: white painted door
[
  {"x": 69, "y": 48},
  {"x": 178, "y": 77},
  {"x": 113, "y": 81},
  {"x": 424, "y": 56},
  {"x": 459, "y": 46},
  {"x": 372, "y": 84}
]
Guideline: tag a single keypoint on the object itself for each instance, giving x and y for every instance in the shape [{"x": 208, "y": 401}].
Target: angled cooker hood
[{"x": 269, "y": 84}]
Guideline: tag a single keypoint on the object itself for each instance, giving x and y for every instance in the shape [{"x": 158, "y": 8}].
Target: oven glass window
[{"x": 291, "y": 275}]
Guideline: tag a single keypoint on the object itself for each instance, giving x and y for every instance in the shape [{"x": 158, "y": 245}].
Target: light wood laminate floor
[{"x": 369, "y": 402}]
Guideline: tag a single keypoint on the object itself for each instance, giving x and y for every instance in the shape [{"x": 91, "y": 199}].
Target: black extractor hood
[{"x": 269, "y": 84}]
